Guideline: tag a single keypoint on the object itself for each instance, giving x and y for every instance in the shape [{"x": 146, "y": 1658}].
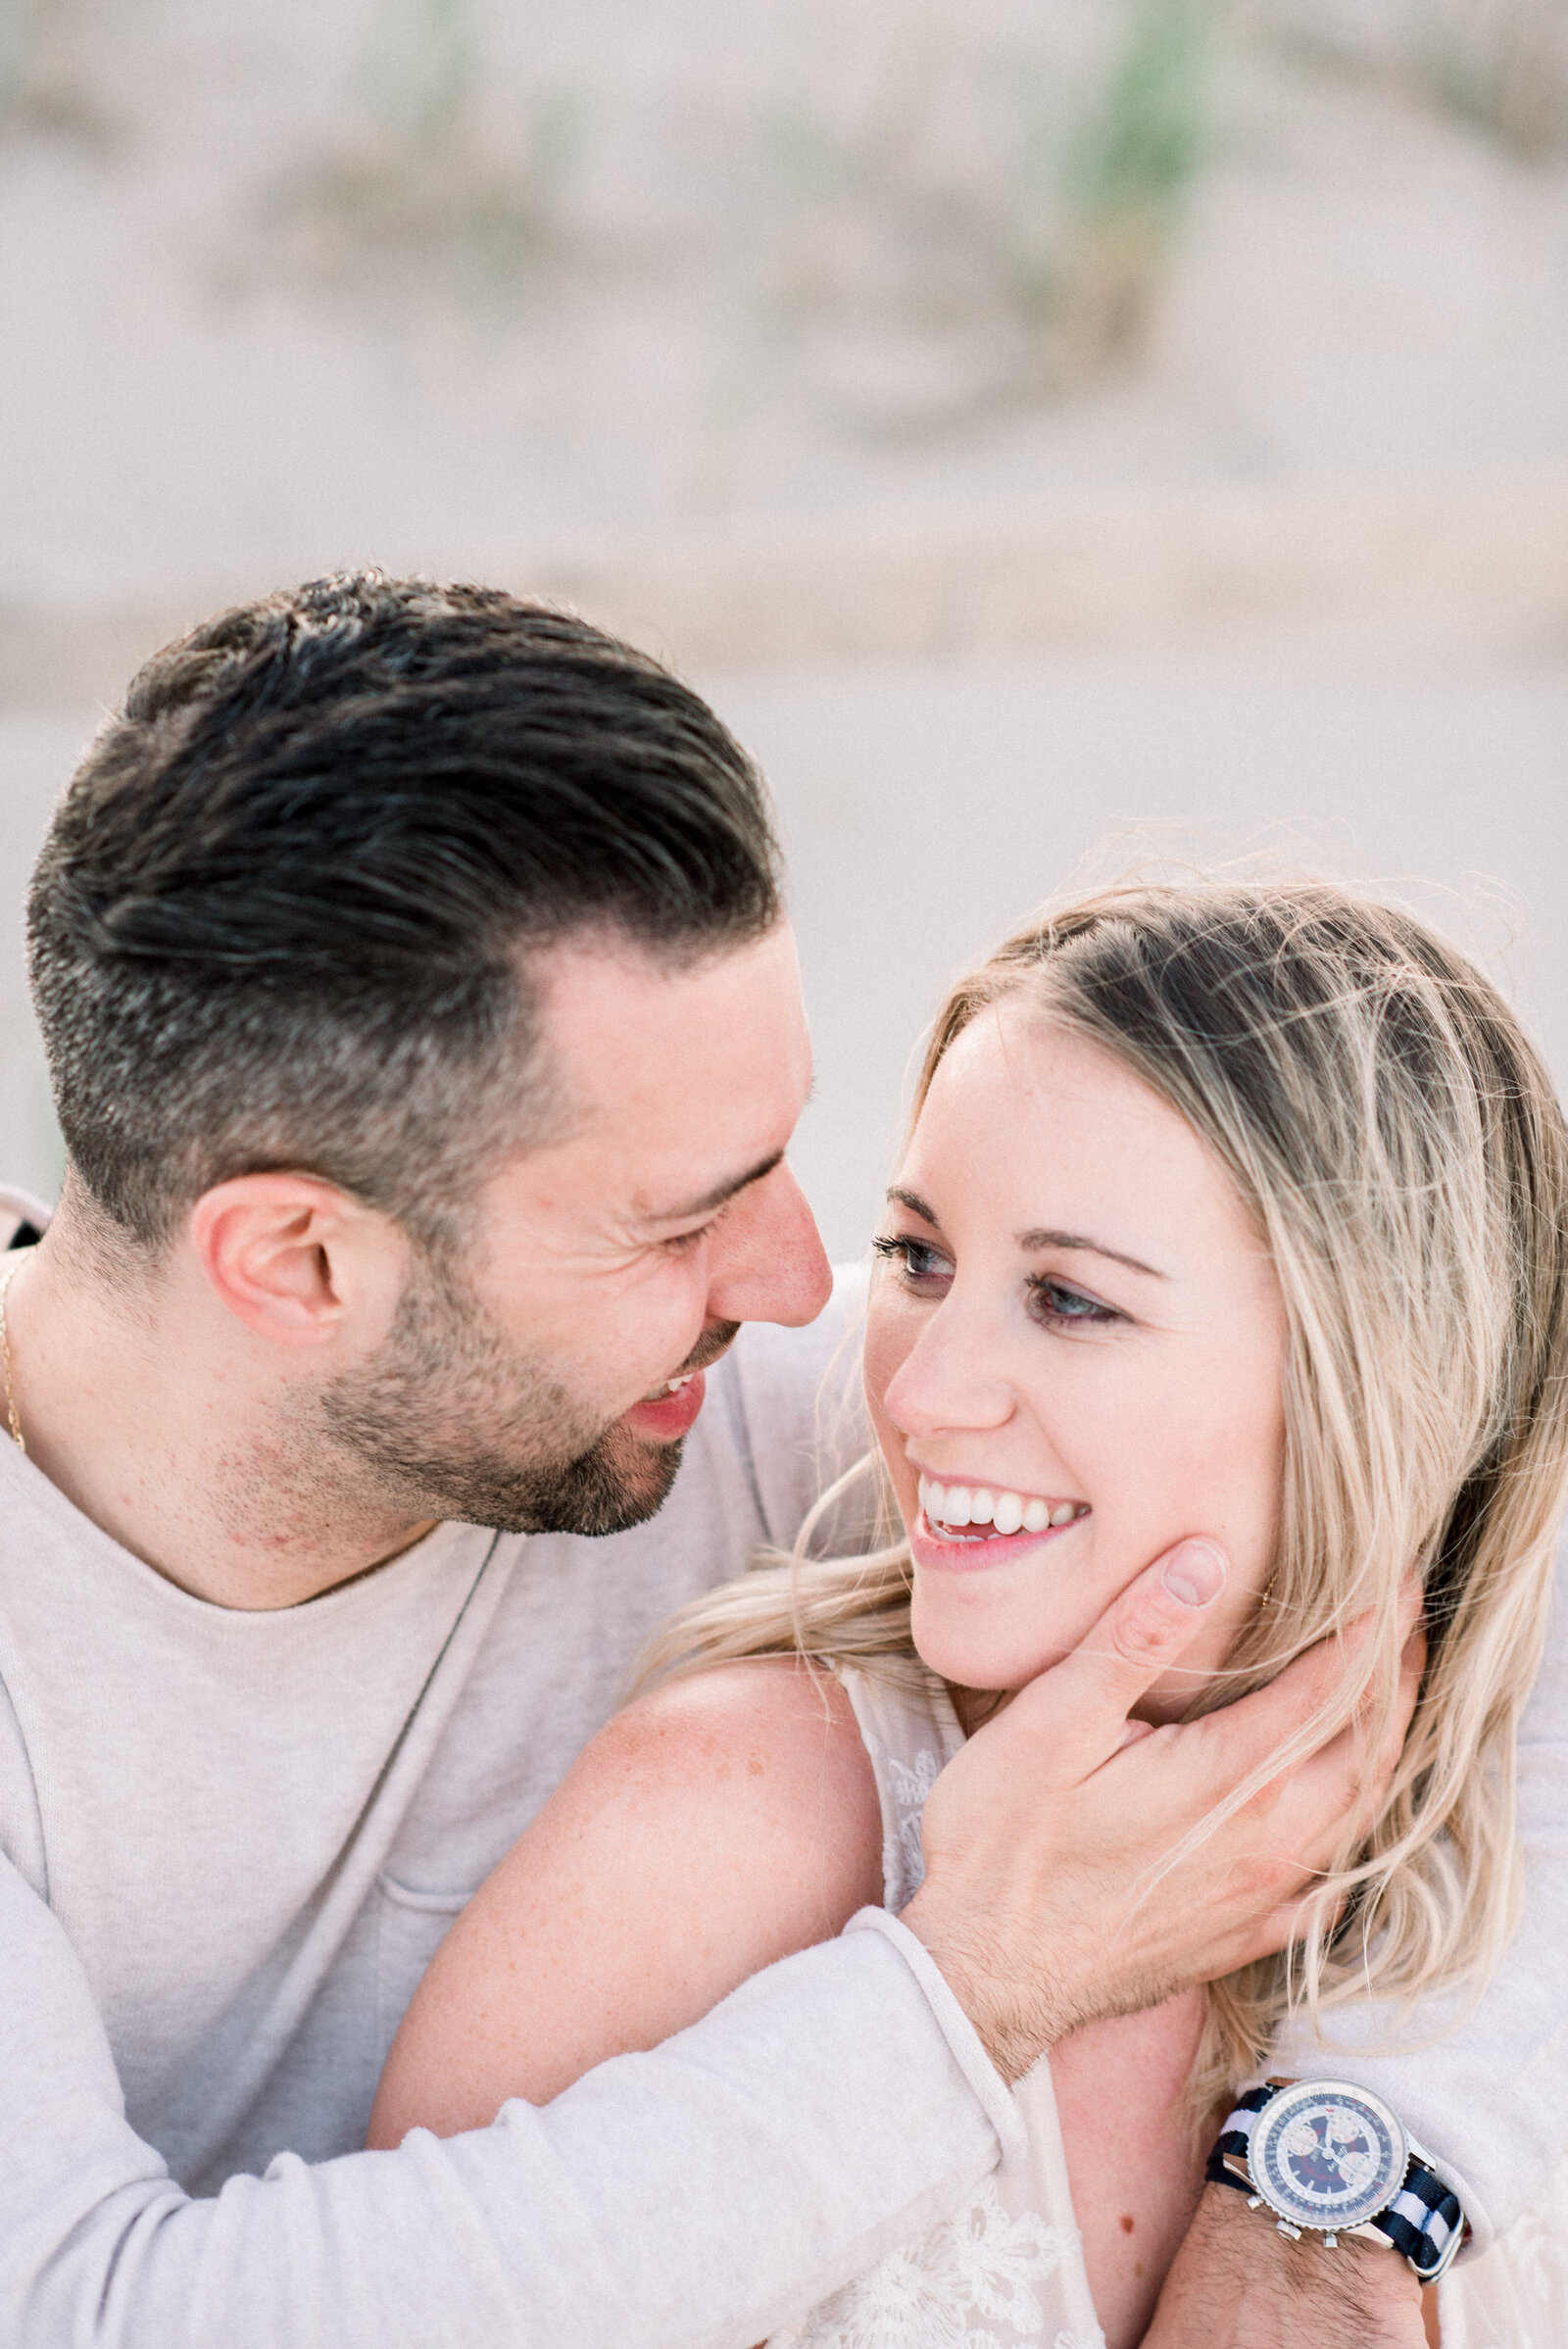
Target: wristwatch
[{"x": 1330, "y": 2159}]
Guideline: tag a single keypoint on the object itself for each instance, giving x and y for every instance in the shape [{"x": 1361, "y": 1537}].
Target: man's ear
[{"x": 297, "y": 1261}]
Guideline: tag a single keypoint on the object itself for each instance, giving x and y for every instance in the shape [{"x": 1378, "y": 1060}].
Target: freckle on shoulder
[
  {"x": 777, "y": 1692},
  {"x": 777, "y": 1718},
  {"x": 786, "y": 1731}
]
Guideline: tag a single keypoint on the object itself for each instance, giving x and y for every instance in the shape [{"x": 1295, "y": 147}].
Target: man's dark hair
[{"x": 282, "y": 915}]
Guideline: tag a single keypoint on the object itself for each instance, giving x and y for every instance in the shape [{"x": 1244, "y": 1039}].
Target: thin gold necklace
[{"x": 8, "y": 1274}]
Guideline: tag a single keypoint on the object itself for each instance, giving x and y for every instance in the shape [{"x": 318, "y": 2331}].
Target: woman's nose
[{"x": 950, "y": 1378}]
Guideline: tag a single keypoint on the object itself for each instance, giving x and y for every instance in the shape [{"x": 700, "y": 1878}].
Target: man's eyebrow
[
  {"x": 720, "y": 1191},
  {"x": 1031, "y": 1240}
]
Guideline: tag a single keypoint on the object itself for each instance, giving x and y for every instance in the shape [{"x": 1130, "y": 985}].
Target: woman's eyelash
[
  {"x": 1064, "y": 1307},
  {"x": 906, "y": 1251},
  {"x": 1054, "y": 1303}
]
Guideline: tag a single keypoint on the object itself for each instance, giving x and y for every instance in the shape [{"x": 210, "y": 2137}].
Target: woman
[{"x": 1232, "y": 1205}]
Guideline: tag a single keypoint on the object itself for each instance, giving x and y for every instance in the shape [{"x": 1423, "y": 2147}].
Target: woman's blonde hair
[{"x": 1397, "y": 1142}]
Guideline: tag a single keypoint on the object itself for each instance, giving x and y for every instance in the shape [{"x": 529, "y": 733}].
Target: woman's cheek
[
  {"x": 889, "y": 1337},
  {"x": 894, "y": 1322}
]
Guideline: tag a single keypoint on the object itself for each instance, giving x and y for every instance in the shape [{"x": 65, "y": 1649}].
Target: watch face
[{"x": 1327, "y": 2155}]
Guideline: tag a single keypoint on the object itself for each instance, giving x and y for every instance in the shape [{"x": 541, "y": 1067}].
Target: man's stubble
[{"x": 449, "y": 1420}]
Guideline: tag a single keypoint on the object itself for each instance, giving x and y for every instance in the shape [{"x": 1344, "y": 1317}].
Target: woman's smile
[
  {"x": 963, "y": 1528},
  {"x": 949, "y": 1506}
]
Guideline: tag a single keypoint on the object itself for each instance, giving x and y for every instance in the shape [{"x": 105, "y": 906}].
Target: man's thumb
[{"x": 1139, "y": 1635}]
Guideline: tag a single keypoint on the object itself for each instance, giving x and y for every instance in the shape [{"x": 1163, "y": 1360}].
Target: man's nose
[{"x": 768, "y": 1261}]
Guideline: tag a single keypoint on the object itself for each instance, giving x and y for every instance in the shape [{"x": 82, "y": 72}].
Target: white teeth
[
  {"x": 674, "y": 1386},
  {"x": 955, "y": 1506}
]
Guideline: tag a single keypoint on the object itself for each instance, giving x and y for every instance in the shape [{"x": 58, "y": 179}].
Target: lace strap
[{"x": 910, "y": 1736}]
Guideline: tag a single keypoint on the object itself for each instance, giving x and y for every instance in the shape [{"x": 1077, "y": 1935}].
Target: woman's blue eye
[
  {"x": 1054, "y": 1302},
  {"x": 918, "y": 1260}
]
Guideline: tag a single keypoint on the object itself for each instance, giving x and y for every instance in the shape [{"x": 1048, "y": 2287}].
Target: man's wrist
[
  {"x": 1361, "y": 2279},
  {"x": 1014, "y": 2036},
  {"x": 1237, "y": 2281}
]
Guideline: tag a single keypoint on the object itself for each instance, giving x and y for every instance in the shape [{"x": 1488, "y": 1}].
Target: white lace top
[{"x": 1008, "y": 2269}]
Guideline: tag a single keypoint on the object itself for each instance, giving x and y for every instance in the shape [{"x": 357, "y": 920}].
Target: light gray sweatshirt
[{"x": 231, "y": 1842}]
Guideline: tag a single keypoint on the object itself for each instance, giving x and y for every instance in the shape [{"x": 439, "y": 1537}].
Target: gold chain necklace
[{"x": 7, "y": 1275}]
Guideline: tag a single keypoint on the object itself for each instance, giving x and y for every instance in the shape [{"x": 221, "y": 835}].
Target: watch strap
[
  {"x": 1235, "y": 2142},
  {"x": 1424, "y": 2222}
]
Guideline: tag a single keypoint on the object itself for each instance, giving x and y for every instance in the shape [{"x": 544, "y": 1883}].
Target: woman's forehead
[
  {"x": 1031, "y": 1123},
  {"x": 1015, "y": 1067}
]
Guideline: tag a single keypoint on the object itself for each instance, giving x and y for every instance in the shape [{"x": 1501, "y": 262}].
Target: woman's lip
[
  {"x": 673, "y": 1415},
  {"x": 973, "y": 1558}
]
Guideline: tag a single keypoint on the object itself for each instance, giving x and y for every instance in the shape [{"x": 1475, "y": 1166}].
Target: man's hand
[
  {"x": 1045, "y": 1835},
  {"x": 1238, "y": 2283}
]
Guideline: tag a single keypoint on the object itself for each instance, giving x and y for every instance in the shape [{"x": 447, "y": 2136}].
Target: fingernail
[{"x": 1195, "y": 1573}]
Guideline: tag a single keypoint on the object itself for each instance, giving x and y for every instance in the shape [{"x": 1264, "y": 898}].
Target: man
[{"x": 426, "y": 1042}]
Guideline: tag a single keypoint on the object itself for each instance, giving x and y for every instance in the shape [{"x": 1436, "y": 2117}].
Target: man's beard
[{"x": 453, "y": 1422}]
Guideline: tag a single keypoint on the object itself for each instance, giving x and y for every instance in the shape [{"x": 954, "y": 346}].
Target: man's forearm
[{"x": 693, "y": 2198}]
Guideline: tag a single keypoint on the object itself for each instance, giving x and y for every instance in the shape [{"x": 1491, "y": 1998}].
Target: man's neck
[{"x": 156, "y": 1425}]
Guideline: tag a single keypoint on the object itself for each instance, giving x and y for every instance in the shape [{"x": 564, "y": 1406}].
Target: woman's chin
[{"x": 961, "y": 1654}]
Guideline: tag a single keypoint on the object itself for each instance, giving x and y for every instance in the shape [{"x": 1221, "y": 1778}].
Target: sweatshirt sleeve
[
  {"x": 1483, "y": 2087},
  {"x": 692, "y": 2198}
]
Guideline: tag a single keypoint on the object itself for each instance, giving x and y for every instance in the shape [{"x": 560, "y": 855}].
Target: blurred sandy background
[{"x": 1027, "y": 419}]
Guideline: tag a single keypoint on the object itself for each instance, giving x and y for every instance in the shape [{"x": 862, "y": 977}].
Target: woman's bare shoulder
[
  {"x": 785, "y": 1711},
  {"x": 741, "y": 1797},
  {"x": 715, "y": 1825},
  {"x": 768, "y": 1748}
]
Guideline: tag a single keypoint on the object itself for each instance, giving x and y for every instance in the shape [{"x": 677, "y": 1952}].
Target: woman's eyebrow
[
  {"x": 916, "y": 1205},
  {"x": 1031, "y": 1240}
]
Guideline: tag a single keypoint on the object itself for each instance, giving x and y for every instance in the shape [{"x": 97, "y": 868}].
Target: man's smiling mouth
[
  {"x": 951, "y": 1508},
  {"x": 709, "y": 1349}
]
